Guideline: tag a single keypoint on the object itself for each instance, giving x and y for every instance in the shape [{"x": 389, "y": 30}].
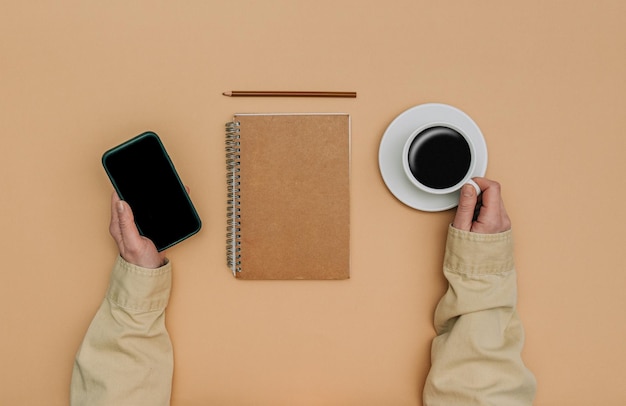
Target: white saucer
[{"x": 392, "y": 145}]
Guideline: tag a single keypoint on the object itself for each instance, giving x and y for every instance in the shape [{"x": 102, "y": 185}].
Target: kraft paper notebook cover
[{"x": 288, "y": 196}]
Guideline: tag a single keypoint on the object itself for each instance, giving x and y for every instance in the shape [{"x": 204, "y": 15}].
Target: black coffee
[{"x": 439, "y": 157}]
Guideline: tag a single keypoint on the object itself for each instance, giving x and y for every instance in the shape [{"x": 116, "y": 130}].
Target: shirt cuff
[
  {"x": 478, "y": 254},
  {"x": 139, "y": 289}
]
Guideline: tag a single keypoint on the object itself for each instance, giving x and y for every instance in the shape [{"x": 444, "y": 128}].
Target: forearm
[
  {"x": 476, "y": 354},
  {"x": 126, "y": 356}
]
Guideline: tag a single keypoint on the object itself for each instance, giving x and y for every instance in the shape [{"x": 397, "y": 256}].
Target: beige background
[{"x": 545, "y": 81}]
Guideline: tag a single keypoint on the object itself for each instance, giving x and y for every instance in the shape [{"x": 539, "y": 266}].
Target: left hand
[{"x": 134, "y": 248}]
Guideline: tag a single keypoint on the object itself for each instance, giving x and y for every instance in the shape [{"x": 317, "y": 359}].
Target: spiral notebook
[{"x": 288, "y": 178}]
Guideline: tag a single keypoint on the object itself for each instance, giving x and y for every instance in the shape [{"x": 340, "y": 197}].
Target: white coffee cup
[{"x": 439, "y": 158}]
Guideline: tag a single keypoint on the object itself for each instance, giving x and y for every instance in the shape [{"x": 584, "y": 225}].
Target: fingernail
[
  {"x": 474, "y": 185},
  {"x": 120, "y": 207},
  {"x": 468, "y": 190}
]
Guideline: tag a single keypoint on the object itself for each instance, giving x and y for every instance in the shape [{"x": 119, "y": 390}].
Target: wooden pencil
[{"x": 266, "y": 93}]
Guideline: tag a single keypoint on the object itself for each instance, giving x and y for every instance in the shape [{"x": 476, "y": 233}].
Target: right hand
[{"x": 492, "y": 217}]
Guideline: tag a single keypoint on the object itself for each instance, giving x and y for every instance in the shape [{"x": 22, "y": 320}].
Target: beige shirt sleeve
[
  {"x": 476, "y": 356},
  {"x": 126, "y": 356}
]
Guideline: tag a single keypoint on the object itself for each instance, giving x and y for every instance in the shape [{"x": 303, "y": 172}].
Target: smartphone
[{"x": 144, "y": 176}]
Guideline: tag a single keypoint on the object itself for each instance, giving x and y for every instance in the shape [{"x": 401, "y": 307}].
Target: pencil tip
[{"x": 227, "y": 93}]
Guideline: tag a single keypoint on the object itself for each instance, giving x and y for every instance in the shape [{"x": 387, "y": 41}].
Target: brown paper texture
[{"x": 295, "y": 196}]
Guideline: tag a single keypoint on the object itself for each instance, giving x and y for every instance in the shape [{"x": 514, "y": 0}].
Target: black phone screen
[{"x": 143, "y": 175}]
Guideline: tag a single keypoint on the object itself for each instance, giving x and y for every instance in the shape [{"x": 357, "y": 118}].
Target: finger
[
  {"x": 114, "y": 227},
  {"x": 491, "y": 192},
  {"x": 492, "y": 217},
  {"x": 465, "y": 211},
  {"x": 476, "y": 187},
  {"x": 128, "y": 230},
  {"x": 491, "y": 202},
  {"x": 483, "y": 183}
]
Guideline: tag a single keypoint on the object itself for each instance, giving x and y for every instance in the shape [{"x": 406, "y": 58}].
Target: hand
[
  {"x": 134, "y": 248},
  {"x": 491, "y": 217}
]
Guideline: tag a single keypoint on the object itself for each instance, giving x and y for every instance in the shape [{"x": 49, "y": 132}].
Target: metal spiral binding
[{"x": 233, "y": 227}]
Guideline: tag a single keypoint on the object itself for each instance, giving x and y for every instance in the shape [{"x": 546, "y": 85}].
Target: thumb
[
  {"x": 126, "y": 222},
  {"x": 465, "y": 212}
]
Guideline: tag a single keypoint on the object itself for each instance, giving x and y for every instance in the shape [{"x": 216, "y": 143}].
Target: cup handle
[{"x": 471, "y": 182}]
